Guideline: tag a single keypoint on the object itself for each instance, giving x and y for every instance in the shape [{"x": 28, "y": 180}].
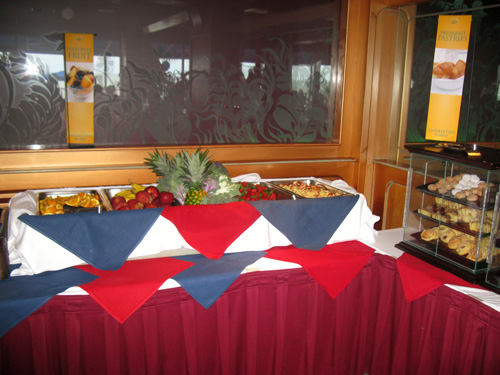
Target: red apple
[
  {"x": 135, "y": 205},
  {"x": 150, "y": 205},
  {"x": 143, "y": 197},
  {"x": 153, "y": 190},
  {"x": 117, "y": 202},
  {"x": 166, "y": 198},
  {"x": 123, "y": 208},
  {"x": 119, "y": 205}
]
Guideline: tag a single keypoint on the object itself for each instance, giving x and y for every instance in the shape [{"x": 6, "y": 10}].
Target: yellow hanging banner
[
  {"x": 450, "y": 59},
  {"x": 79, "y": 58}
]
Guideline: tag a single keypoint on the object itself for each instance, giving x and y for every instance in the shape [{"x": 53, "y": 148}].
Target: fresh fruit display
[
  {"x": 137, "y": 187},
  {"x": 139, "y": 197},
  {"x": 197, "y": 170},
  {"x": 127, "y": 194},
  {"x": 153, "y": 190},
  {"x": 255, "y": 192},
  {"x": 54, "y": 205},
  {"x": 117, "y": 202},
  {"x": 80, "y": 78},
  {"x": 193, "y": 178},
  {"x": 166, "y": 198}
]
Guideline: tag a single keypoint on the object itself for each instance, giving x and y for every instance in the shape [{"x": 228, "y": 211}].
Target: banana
[
  {"x": 124, "y": 193},
  {"x": 137, "y": 187},
  {"x": 129, "y": 197}
]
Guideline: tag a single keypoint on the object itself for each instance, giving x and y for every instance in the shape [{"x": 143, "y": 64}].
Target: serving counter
[{"x": 352, "y": 306}]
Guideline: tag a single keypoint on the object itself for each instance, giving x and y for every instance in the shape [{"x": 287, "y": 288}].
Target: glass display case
[{"x": 451, "y": 210}]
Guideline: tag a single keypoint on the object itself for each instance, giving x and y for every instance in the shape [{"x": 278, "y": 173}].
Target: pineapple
[
  {"x": 184, "y": 174},
  {"x": 196, "y": 171},
  {"x": 159, "y": 163}
]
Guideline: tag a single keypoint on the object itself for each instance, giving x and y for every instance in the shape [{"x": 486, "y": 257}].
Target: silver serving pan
[
  {"x": 4, "y": 254},
  {"x": 311, "y": 182},
  {"x": 105, "y": 205},
  {"x": 111, "y": 191},
  {"x": 281, "y": 194}
]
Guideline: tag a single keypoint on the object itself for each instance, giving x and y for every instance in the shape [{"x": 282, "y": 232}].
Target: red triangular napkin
[
  {"x": 419, "y": 277},
  {"x": 333, "y": 267},
  {"x": 210, "y": 229},
  {"x": 123, "y": 291}
]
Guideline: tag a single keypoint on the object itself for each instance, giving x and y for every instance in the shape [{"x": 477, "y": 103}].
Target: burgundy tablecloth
[{"x": 273, "y": 322}]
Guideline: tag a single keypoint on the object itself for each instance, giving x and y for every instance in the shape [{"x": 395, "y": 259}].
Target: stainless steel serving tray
[
  {"x": 308, "y": 181},
  {"x": 281, "y": 194},
  {"x": 105, "y": 205},
  {"x": 110, "y": 191},
  {"x": 4, "y": 254}
]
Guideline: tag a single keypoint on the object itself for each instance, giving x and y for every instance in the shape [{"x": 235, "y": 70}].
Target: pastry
[
  {"x": 432, "y": 187},
  {"x": 472, "y": 197},
  {"x": 443, "y": 70},
  {"x": 465, "y": 247},
  {"x": 447, "y": 203},
  {"x": 456, "y": 241},
  {"x": 476, "y": 225},
  {"x": 426, "y": 211},
  {"x": 453, "y": 216},
  {"x": 483, "y": 253},
  {"x": 446, "y": 235},
  {"x": 475, "y": 179},
  {"x": 429, "y": 234},
  {"x": 468, "y": 214}
]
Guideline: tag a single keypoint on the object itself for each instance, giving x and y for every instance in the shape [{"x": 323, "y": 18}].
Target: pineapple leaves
[{"x": 193, "y": 178}]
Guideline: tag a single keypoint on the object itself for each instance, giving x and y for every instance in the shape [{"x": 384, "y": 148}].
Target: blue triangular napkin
[
  {"x": 13, "y": 267},
  {"x": 307, "y": 223},
  {"x": 103, "y": 240},
  {"x": 22, "y": 295},
  {"x": 206, "y": 280}
]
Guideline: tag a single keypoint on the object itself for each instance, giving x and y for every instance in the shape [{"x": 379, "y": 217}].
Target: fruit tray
[
  {"x": 307, "y": 188},
  {"x": 70, "y": 201},
  {"x": 263, "y": 190},
  {"x": 145, "y": 201},
  {"x": 112, "y": 191}
]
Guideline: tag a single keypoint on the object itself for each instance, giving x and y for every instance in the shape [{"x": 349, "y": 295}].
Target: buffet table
[
  {"x": 354, "y": 306},
  {"x": 267, "y": 322}
]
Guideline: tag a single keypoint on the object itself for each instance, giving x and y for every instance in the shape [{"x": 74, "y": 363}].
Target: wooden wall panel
[
  {"x": 385, "y": 173},
  {"x": 117, "y": 176}
]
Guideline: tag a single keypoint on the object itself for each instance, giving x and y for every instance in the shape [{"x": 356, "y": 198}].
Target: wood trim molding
[
  {"x": 134, "y": 156},
  {"x": 38, "y": 169}
]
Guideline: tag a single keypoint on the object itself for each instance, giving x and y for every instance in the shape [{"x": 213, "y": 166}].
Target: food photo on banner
[
  {"x": 79, "y": 61},
  {"x": 450, "y": 59}
]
